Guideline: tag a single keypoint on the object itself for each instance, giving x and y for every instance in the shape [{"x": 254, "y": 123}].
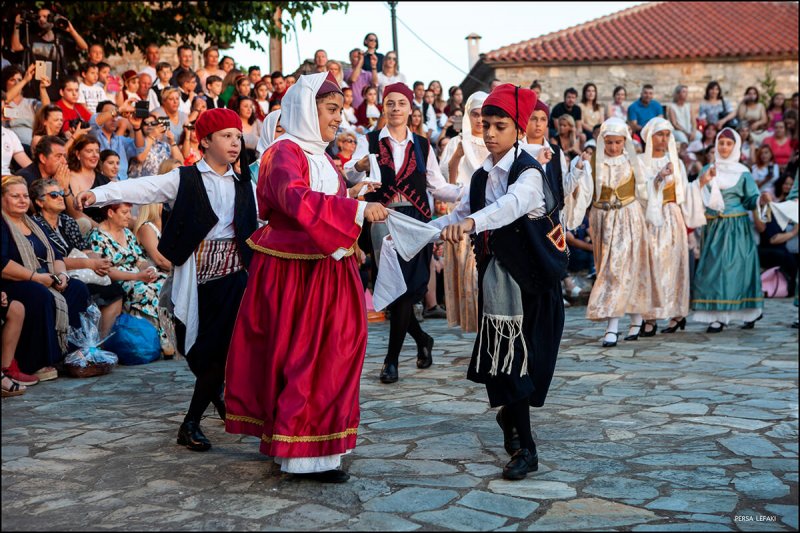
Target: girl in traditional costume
[{"x": 301, "y": 334}]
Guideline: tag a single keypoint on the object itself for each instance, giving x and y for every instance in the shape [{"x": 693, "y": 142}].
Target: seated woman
[
  {"x": 142, "y": 284},
  {"x": 33, "y": 273},
  {"x": 83, "y": 159},
  {"x": 12, "y": 317},
  {"x": 64, "y": 235}
]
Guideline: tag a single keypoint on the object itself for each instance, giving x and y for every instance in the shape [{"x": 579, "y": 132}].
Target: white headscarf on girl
[
  {"x": 300, "y": 121},
  {"x": 618, "y": 127},
  {"x": 729, "y": 169},
  {"x": 474, "y": 157},
  {"x": 267, "y": 134},
  {"x": 654, "y": 212}
]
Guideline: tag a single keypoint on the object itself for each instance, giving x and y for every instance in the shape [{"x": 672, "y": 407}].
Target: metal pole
[{"x": 393, "y": 6}]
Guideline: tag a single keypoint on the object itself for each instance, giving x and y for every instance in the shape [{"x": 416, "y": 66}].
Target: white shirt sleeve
[
  {"x": 458, "y": 214},
  {"x": 350, "y": 172},
  {"x": 524, "y": 196},
  {"x": 140, "y": 191},
  {"x": 437, "y": 185}
]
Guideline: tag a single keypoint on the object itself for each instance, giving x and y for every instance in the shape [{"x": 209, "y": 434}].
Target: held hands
[
  {"x": 101, "y": 266},
  {"x": 710, "y": 174},
  {"x": 454, "y": 232},
  {"x": 545, "y": 155},
  {"x": 147, "y": 275},
  {"x": 363, "y": 164},
  {"x": 353, "y": 192},
  {"x": 375, "y": 212},
  {"x": 84, "y": 200},
  {"x": 585, "y": 156}
]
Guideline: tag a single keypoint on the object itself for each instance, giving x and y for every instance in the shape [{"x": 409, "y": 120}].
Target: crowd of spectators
[{"x": 90, "y": 125}]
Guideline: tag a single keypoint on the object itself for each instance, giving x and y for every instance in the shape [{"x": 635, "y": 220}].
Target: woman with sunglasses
[{"x": 64, "y": 235}]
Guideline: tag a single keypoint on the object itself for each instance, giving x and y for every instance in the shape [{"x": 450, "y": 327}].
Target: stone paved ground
[{"x": 669, "y": 433}]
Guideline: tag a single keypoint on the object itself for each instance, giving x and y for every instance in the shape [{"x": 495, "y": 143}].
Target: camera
[
  {"x": 163, "y": 121},
  {"x": 75, "y": 122},
  {"x": 58, "y": 21},
  {"x": 31, "y": 17},
  {"x": 141, "y": 109}
]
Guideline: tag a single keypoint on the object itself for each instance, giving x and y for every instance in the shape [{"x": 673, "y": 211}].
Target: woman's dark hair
[
  {"x": 238, "y": 104},
  {"x": 772, "y": 102},
  {"x": 367, "y": 37},
  {"x": 617, "y": 89},
  {"x": 779, "y": 183},
  {"x": 72, "y": 156},
  {"x": 105, "y": 154},
  {"x": 758, "y": 94},
  {"x": 710, "y": 86},
  {"x": 585, "y": 100},
  {"x": 41, "y": 117},
  {"x": 111, "y": 207},
  {"x": 8, "y": 73}
]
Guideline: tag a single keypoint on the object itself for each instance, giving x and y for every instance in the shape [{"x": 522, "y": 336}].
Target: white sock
[
  {"x": 636, "y": 320},
  {"x": 613, "y": 324}
]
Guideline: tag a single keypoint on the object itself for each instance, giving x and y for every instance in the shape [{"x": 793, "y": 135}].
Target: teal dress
[
  {"x": 793, "y": 196},
  {"x": 727, "y": 283}
]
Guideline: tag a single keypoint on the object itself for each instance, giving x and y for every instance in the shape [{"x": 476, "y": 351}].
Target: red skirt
[{"x": 295, "y": 359}]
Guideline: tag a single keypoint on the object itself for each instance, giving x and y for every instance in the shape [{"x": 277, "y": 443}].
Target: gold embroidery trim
[
  {"x": 712, "y": 217},
  {"x": 726, "y": 301},
  {"x": 310, "y": 438},
  {"x": 239, "y": 418},
  {"x": 557, "y": 237},
  {"x": 287, "y": 255}
]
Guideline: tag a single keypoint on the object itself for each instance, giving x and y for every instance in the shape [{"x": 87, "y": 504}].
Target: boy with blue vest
[
  {"x": 512, "y": 214},
  {"x": 213, "y": 215}
]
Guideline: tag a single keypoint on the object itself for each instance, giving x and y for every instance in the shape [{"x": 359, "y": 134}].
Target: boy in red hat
[
  {"x": 512, "y": 211},
  {"x": 408, "y": 172},
  {"x": 213, "y": 215}
]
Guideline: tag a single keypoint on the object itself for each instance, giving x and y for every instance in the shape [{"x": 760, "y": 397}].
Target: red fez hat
[
  {"x": 401, "y": 88},
  {"x": 216, "y": 119},
  {"x": 541, "y": 106},
  {"x": 515, "y": 101},
  {"x": 129, "y": 75},
  {"x": 330, "y": 85}
]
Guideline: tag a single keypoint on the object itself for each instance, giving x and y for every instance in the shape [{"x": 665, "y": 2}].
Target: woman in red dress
[{"x": 301, "y": 334}]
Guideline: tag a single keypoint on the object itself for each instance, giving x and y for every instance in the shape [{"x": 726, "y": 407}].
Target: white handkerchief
[
  {"x": 784, "y": 212},
  {"x": 390, "y": 284},
  {"x": 374, "y": 173},
  {"x": 410, "y": 235}
]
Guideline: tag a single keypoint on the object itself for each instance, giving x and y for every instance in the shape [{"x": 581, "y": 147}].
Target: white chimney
[{"x": 473, "y": 47}]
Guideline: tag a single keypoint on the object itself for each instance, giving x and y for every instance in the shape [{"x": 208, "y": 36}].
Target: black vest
[
  {"x": 416, "y": 188},
  {"x": 193, "y": 217},
  {"x": 534, "y": 251}
]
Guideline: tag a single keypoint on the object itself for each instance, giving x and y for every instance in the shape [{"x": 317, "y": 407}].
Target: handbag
[
  {"x": 86, "y": 275},
  {"x": 773, "y": 283}
]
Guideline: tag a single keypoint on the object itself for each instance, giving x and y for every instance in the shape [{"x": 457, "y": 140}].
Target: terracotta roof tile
[{"x": 668, "y": 30}]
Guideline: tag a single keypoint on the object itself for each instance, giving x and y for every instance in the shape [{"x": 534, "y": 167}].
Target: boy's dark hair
[
  {"x": 571, "y": 90},
  {"x": 183, "y": 77},
  {"x": 276, "y": 104},
  {"x": 494, "y": 111},
  {"x": 535, "y": 85},
  {"x": 646, "y": 86},
  {"x": 275, "y": 75},
  {"x": 254, "y": 67},
  {"x": 68, "y": 79},
  {"x": 211, "y": 79},
  {"x": 102, "y": 65},
  {"x": 162, "y": 65},
  {"x": 417, "y": 84},
  {"x": 101, "y": 105},
  {"x": 86, "y": 66}
]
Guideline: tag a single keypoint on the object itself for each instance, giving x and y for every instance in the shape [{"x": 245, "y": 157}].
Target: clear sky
[{"x": 442, "y": 25}]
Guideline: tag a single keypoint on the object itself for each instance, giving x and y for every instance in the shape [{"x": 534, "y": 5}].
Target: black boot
[
  {"x": 328, "y": 476},
  {"x": 389, "y": 373},
  {"x": 189, "y": 435},
  {"x": 425, "y": 354},
  {"x": 521, "y": 463},
  {"x": 510, "y": 435}
]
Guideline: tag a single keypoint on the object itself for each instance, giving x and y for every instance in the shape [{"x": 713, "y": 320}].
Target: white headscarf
[
  {"x": 729, "y": 169},
  {"x": 300, "y": 121},
  {"x": 475, "y": 159},
  {"x": 267, "y": 134},
  {"x": 299, "y": 114},
  {"x": 617, "y": 127},
  {"x": 653, "y": 126}
]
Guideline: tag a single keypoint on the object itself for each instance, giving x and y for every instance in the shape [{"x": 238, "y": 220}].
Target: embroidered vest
[
  {"x": 411, "y": 180},
  {"x": 193, "y": 217},
  {"x": 533, "y": 250}
]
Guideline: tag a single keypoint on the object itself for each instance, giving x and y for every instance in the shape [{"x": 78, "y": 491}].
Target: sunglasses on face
[
  {"x": 149, "y": 123},
  {"x": 53, "y": 194}
]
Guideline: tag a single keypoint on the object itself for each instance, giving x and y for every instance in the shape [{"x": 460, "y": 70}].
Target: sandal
[{"x": 11, "y": 387}]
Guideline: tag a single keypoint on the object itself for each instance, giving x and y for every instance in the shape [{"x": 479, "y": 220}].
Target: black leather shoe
[
  {"x": 712, "y": 329},
  {"x": 389, "y": 373},
  {"x": 752, "y": 324},
  {"x": 425, "y": 354},
  {"x": 189, "y": 435},
  {"x": 672, "y": 329},
  {"x": 635, "y": 337},
  {"x": 328, "y": 476},
  {"x": 651, "y": 333},
  {"x": 611, "y": 344},
  {"x": 522, "y": 462},
  {"x": 510, "y": 435}
]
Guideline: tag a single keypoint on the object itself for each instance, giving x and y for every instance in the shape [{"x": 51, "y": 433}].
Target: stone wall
[{"x": 733, "y": 76}]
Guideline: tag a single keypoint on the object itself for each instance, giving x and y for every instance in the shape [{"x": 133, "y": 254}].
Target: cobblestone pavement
[{"x": 684, "y": 432}]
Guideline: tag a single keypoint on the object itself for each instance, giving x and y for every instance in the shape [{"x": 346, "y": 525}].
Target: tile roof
[{"x": 667, "y": 30}]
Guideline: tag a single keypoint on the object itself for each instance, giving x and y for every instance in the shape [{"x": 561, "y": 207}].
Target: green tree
[
  {"x": 768, "y": 85},
  {"x": 128, "y": 26}
]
